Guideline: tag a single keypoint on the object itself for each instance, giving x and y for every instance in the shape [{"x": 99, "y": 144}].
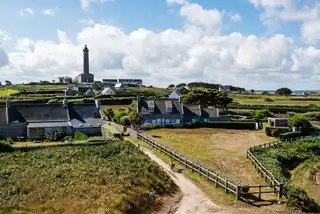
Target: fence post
[
  {"x": 259, "y": 191},
  {"x": 217, "y": 180},
  {"x": 226, "y": 187},
  {"x": 238, "y": 192},
  {"x": 280, "y": 191}
]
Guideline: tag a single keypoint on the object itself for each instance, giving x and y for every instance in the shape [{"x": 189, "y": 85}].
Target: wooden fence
[{"x": 219, "y": 181}]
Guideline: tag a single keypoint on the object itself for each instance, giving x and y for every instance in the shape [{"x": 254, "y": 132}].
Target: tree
[
  {"x": 301, "y": 122},
  {"x": 284, "y": 92},
  {"x": 8, "y": 82},
  {"x": 118, "y": 114},
  {"x": 171, "y": 86},
  {"x": 108, "y": 113},
  {"x": 252, "y": 91},
  {"x": 135, "y": 119},
  {"x": 181, "y": 85},
  {"x": 260, "y": 114},
  {"x": 208, "y": 97},
  {"x": 183, "y": 91},
  {"x": 265, "y": 93}
]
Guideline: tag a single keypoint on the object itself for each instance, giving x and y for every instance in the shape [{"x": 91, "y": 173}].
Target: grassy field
[
  {"x": 7, "y": 92},
  {"x": 307, "y": 176},
  {"x": 223, "y": 150},
  {"x": 21, "y": 87},
  {"x": 82, "y": 179}
]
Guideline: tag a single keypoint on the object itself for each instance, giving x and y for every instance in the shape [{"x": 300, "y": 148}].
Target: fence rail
[{"x": 219, "y": 181}]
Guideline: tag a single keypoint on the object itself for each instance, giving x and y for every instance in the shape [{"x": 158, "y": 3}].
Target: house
[
  {"x": 174, "y": 95},
  {"x": 89, "y": 92},
  {"x": 108, "y": 91},
  {"x": 69, "y": 92},
  {"x": 161, "y": 111},
  {"x": 225, "y": 89},
  {"x": 278, "y": 122},
  {"x": 81, "y": 88},
  {"x": 39, "y": 119},
  {"x": 118, "y": 86},
  {"x": 86, "y": 118},
  {"x": 199, "y": 114}
]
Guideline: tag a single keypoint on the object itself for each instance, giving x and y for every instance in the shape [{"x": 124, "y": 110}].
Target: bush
[
  {"x": 80, "y": 136},
  {"x": 5, "y": 146},
  {"x": 56, "y": 135},
  {"x": 275, "y": 131},
  {"x": 300, "y": 121},
  {"x": 125, "y": 120},
  {"x": 268, "y": 99},
  {"x": 260, "y": 114},
  {"x": 289, "y": 135},
  {"x": 313, "y": 116}
]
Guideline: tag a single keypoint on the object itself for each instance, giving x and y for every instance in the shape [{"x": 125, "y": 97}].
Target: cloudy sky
[{"x": 261, "y": 44}]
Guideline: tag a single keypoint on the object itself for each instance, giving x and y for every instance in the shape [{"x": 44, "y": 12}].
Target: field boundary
[{"x": 229, "y": 187}]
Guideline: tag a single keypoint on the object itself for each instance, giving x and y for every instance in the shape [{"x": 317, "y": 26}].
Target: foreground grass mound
[
  {"x": 290, "y": 158},
  {"x": 111, "y": 178}
]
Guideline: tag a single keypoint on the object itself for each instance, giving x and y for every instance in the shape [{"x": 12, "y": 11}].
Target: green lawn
[
  {"x": 7, "y": 92},
  {"x": 82, "y": 179}
]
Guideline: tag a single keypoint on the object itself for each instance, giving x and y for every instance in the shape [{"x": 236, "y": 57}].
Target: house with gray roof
[
  {"x": 160, "y": 111},
  {"x": 199, "y": 114},
  {"x": 174, "y": 95},
  {"x": 86, "y": 118},
  {"x": 39, "y": 119},
  {"x": 225, "y": 89}
]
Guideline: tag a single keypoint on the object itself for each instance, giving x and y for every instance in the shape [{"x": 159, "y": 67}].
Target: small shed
[{"x": 278, "y": 122}]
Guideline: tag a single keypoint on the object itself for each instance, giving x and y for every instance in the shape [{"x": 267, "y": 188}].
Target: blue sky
[{"x": 227, "y": 42}]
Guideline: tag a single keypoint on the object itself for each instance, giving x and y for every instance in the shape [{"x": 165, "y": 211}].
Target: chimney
[
  {"x": 199, "y": 107},
  {"x": 97, "y": 102}
]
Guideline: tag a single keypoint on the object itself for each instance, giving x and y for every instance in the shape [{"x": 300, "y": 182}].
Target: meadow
[{"x": 111, "y": 178}]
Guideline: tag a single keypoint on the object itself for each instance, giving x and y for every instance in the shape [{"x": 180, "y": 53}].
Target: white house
[
  {"x": 225, "y": 89},
  {"x": 108, "y": 91}
]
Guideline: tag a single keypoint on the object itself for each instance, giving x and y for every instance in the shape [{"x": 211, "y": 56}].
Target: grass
[
  {"x": 21, "y": 87},
  {"x": 307, "y": 175},
  {"x": 277, "y": 100},
  {"x": 7, "y": 92},
  {"x": 217, "y": 195},
  {"x": 115, "y": 107},
  {"x": 83, "y": 179},
  {"x": 223, "y": 150}
]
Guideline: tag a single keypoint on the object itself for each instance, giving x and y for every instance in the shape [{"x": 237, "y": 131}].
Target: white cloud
[
  {"x": 86, "y": 3},
  {"x": 235, "y": 17},
  {"x": 196, "y": 14},
  {"x": 277, "y": 12},
  {"x": 48, "y": 12},
  {"x": 4, "y": 36},
  {"x": 26, "y": 12},
  {"x": 170, "y": 56},
  {"x": 180, "y": 2}
]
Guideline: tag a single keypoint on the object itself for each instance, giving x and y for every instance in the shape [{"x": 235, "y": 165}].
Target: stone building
[{"x": 86, "y": 76}]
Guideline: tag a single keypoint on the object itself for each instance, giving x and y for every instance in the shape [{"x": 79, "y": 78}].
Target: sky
[{"x": 259, "y": 44}]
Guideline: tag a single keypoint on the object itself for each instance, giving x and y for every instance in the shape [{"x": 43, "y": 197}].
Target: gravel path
[{"x": 193, "y": 200}]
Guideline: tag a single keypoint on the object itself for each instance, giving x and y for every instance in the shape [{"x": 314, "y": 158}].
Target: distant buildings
[
  {"x": 134, "y": 82},
  {"x": 66, "y": 80}
]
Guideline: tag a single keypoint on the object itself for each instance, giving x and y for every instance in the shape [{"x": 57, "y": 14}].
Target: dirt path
[{"x": 193, "y": 200}]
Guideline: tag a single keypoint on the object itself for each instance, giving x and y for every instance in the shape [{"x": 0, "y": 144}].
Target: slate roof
[
  {"x": 48, "y": 124},
  {"x": 84, "y": 115},
  {"x": 37, "y": 113},
  {"x": 108, "y": 91},
  {"x": 159, "y": 107}
]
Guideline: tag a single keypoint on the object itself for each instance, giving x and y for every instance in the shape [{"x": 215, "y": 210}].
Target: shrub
[
  {"x": 275, "y": 131},
  {"x": 80, "y": 136},
  {"x": 313, "y": 116},
  {"x": 5, "y": 146},
  {"x": 300, "y": 121},
  {"x": 268, "y": 99},
  {"x": 289, "y": 135},
  {"x": 56, "y": 135},
  {"x": 125, "y": 120},
  {"x": 260, "y": 114}
]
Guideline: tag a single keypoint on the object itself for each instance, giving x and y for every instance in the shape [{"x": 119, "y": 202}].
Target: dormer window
[
  {"x": 151, "y": 106},
  {"x": 169, "y": 106}
]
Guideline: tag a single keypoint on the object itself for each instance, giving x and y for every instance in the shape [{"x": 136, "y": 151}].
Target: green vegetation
[
  {"x": 290, "y": 135},
  {"x": 124, "y": 116},
  {"x": 7, "y": 92},
  {"x": 276, "y": 131},
  {"x": 79, "y": 136},
  {"x": 281, "y": 160},
  {"x": 207, "y": 97},
  {"x": 261, "y": 114},
  {"x": 112, "y": 178},
  {"x": 283, "y": 92},
  {"x": 301, "y": 122}
]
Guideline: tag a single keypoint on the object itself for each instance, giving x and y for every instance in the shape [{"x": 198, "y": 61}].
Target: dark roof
[
  {"x": 49, "y": 124},
  {"x": 159, "y": 106},
  {"x": 191, "y": 112},
  {"x": 37, "y": 113},
  {"x": 84, "y": 115}
]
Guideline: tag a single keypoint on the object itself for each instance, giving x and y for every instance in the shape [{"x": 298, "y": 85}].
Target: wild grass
[
  {"x": 7, "y": 92},
  {"x": 111, "y": 178}
]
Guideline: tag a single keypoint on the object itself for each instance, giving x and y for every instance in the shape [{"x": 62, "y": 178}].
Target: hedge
[
  {"x": 275, "y": 131},
  {"x": 290, "y": 135},
  {"x": 221, "y": 125}
]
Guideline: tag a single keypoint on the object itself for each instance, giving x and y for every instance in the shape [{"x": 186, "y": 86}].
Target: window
[
  {"x": 159, "y": 121},
  {"x": 169, "y": 110},
  {"x": 151, "y": 110},
  {"x": 154, "y": 121},
  {"x": 177, "y": 121},
  {"x": 167, "y": 121},
  {"x": 205, "y": 120}
]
